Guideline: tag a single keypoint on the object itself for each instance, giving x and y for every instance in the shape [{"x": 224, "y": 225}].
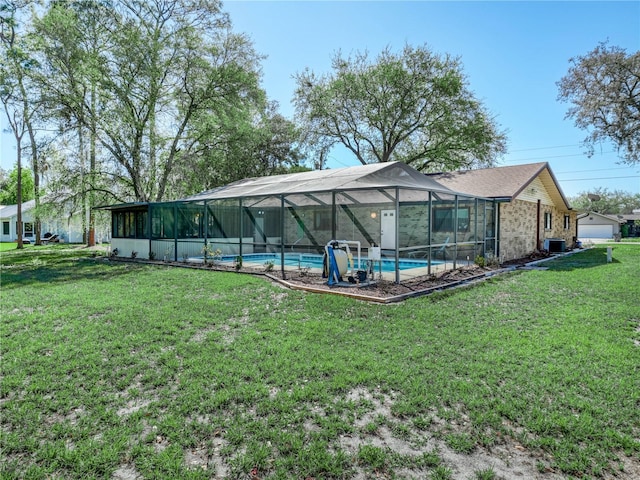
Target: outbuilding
[{"x": 597, "y": 225}]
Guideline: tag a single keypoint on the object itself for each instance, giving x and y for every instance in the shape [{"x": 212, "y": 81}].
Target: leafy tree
[
  {"x": 236, "y": 145},
  {"x": 415, "y": 107},
  {"x": 602, "y": 200},
  {"x": 158, "y": 68},
  {"x": 9, "y": 187},
  {"x": 604, "y": 90},
  {"x": 71, "y": 36}
]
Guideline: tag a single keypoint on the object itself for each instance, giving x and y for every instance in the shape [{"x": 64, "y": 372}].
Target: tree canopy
[
  {"x": 136, "y": 75},
  {"x": 607, "y": 202},
  {"x": 604, "y": 90},
  {"x": 144, "y": 97},
  {"x": 9, "y": 186},
  {"x": 414, "y": 106}
]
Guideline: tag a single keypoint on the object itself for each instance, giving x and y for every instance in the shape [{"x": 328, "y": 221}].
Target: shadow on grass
[
  {"x": 594, "y": 257},
  {"x": 58, "y": 268}
]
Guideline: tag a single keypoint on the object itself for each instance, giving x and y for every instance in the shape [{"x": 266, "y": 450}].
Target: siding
[{"x": 534, "y": 191}]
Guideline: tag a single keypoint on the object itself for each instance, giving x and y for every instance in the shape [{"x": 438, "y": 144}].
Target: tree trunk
[
  {"x": 36, "y": 181},
  {"x": 91, "y": 241},
  {"x": 83, "y": 186},
  {"x": 19, "y": 227}
]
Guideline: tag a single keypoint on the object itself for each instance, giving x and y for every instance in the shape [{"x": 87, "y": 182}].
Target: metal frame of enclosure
[{"x": 420, "y": 226}]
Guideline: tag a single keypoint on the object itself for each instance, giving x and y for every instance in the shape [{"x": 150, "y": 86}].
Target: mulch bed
[
  {"x": 383, "y": 289},
  {"x": 387, "y": 292}
]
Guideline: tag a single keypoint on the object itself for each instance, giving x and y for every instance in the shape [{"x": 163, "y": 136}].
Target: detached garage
[{"x": 596, "y": 225}]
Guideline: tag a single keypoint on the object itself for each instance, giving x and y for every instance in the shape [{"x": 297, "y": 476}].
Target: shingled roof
[{"x": 502, "y": 182}]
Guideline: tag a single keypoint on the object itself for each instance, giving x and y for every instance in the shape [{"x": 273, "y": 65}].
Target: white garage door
[{"x": 595, "y": 231}]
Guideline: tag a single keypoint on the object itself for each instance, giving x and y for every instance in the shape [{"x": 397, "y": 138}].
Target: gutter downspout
[{"x": 538, "y": 224}]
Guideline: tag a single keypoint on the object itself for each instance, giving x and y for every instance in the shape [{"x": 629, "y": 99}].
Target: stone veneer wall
[{"x": 518, "y": 228}]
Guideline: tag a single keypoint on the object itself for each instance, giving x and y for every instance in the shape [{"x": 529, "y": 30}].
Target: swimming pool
[{"x": 310, "y": 260}]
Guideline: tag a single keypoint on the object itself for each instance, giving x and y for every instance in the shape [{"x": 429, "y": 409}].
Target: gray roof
[
  {"x": 379, "y": 175},
  {"x": 614, "y": 217},
  {"x": 503, "y": 182},
  {"x": 9, "y": 211}
]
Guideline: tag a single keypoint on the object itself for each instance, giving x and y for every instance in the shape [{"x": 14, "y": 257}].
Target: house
[
  {"x": 67, "y": 226},
  {"x": 532, "y": 211},
  {"x": 417, "y": 225},
  {"x": 420, "y": 223},
  {"x": 597, "y": 225},
  {"x": 9, "y": 220}
]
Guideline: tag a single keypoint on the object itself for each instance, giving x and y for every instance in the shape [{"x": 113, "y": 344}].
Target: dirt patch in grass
[
  {"x": 375, "y": 431},
  {"x": 126, "y": 472}
]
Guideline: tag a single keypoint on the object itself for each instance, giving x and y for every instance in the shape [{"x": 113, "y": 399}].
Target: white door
[
  {"x": 388, "y": 229},
  {"x": 595, "y": 231}
]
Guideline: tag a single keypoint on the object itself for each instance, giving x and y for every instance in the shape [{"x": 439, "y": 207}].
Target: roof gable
[
  {"x": 503, "y": 182},
  {"x": 612, "y": 219}
]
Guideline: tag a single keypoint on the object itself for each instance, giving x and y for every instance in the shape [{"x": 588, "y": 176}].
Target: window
[
  {"x": 490, "y": 221},
  {"x": 5, "y": 228},
  {"x": 443, "y": 220},
  {"x": 547, "y": 220},
  {"x": 28, "y": 229},
  {"x": 322, "y": 220},
  {"x": 272, "y": 223},
  {"x": 129, "y": 224},
  {"x": 567, "y": 222}
]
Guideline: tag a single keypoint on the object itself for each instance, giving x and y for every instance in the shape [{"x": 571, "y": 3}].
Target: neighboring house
[
  {"x": 9, "y": 220},
  {"x": 67, "y": 226},
  {"x": 533, "y": 213},
  {"x": 597, "y": 225}
]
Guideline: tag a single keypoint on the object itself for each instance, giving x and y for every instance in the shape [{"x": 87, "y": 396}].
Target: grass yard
[
  {"x": 6, "y": 246},
  {"x": 126, "y": 371}
]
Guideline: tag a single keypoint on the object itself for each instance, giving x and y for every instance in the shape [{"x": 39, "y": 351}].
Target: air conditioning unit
[{"x": 554, "y": 245}]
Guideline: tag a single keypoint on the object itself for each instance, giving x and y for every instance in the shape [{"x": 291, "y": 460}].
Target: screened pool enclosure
[{"x": 419, "y": 226}]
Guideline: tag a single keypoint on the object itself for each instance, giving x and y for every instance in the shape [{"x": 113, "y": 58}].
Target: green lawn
[
  {"x": 175, "y": 373},
  {"x": 6, "y": 246}
]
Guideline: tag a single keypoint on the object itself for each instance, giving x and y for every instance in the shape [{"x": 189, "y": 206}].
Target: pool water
[{"x": 309, "y": 260}]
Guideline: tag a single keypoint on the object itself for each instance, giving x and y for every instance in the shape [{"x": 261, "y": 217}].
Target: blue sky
[{"x": 513, "y": 53}]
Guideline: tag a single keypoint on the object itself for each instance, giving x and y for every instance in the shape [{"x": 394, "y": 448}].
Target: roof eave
[{"x": 121, "y": 206}]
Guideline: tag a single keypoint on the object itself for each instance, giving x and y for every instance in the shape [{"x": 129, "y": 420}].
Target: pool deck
[{"x": 405, "y": 274}]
